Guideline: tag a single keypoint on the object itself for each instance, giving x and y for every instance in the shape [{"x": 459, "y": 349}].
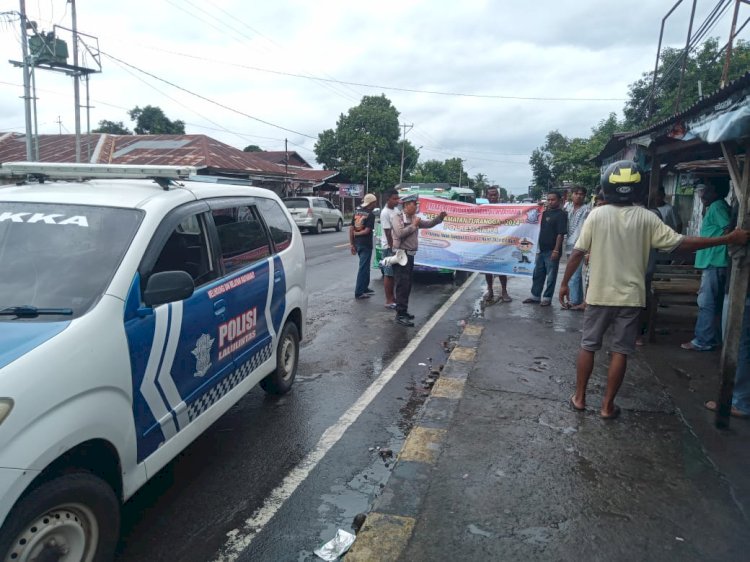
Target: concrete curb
[{"x": 390, "y": 523}]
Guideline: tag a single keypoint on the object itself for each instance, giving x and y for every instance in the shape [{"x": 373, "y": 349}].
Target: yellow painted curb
[
  {"x": 382, "y": 537},
  {"x": 473, "y": 330},
  {"x": 422, "y": 445},
  {"x": 448, "y": 388},
  {"x": 467, "y": 354}
]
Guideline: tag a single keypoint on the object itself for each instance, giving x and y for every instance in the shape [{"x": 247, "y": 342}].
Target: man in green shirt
[{"x": 713, "y": 262}]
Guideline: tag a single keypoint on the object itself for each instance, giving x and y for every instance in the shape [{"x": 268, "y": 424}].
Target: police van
[{"x": 137, "y": 305}]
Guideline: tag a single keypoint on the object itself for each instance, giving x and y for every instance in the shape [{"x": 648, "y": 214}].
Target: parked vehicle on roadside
[
  {"x": 133, "y": 314},
  {"x": 314, "y": 213}
]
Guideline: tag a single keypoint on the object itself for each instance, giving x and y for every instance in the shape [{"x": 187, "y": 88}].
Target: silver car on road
[{"x": 314, "y": 213}]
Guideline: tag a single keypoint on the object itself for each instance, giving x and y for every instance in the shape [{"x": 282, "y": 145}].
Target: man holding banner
[
  {"x": 493, "y": 196},
  {"x": 404, "y": 232}
]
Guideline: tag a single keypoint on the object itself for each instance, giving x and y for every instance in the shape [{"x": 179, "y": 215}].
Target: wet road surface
[{"x": 198, "y": 506}]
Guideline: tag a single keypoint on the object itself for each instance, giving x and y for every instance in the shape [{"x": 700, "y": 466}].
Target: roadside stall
[{"x": 710, "y": 140}]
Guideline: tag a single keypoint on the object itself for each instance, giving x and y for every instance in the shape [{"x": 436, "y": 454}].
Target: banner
[
  {"x": 351, "y": 189},
  {"x": 499, "y": 239}
]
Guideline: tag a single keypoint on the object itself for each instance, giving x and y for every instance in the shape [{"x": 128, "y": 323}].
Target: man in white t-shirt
[
  {"x": 386, "y": 243},
  {"x": 619, "y": 237}
]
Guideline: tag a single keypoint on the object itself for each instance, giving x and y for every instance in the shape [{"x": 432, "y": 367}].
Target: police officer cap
[{"x": 408, "y": 198}]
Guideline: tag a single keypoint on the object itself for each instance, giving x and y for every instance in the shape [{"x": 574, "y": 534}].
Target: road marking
[
  {"x": 238, "y": 540},
  {"x": 342, "y": 245}
]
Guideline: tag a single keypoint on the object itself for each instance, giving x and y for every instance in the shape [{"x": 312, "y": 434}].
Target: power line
[
  {"x": 204, "y": 98},
  {"x": 377, "y": 86}
]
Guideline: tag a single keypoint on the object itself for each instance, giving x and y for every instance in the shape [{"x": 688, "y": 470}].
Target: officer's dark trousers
[{"x": 402, "y": 285}]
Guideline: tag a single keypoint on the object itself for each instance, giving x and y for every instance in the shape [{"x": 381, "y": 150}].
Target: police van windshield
[{"x": 60, "y": 256}]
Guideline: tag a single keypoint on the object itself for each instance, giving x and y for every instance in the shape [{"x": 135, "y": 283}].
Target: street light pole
[{"x": 403, "y": 146}]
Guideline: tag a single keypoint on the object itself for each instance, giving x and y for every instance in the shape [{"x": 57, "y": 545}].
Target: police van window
[
  {"x": 186, "y": 249},
  {"x": 242, "y": 237},
  {"x": 278, "y": 224},
  {"x": 60, "y": 256}
]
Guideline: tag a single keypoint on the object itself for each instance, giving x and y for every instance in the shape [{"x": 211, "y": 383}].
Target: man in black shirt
[
  {"x": 551, "y": 234},
  {"x": 360, "y": 242}
]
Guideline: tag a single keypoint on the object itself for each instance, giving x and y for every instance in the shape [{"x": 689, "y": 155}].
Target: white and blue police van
[{"x": 137, "y": 305}]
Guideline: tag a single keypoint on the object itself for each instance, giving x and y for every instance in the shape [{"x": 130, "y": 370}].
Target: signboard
[
  {"x": 351, "y": 189},
  {"x": 499, "y": 239}
]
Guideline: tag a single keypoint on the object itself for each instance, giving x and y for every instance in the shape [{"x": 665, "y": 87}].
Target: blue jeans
[
  {"x": 363, "y": 273},
  {"x": 544, "y": 268},
  {"x": 741, "y": 396},
  {"x": 576, "y": 285},
  {"x": 710, "y": 299}
]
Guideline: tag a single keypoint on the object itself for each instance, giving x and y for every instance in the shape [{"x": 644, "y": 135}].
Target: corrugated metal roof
[
  {"x": 181, "y": 150},
  {"x": 200, "y": 151},
  {"x": 734, "y": 86}
]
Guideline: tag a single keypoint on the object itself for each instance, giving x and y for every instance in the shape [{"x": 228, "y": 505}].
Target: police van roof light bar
[{"x": 77, "y": 171}]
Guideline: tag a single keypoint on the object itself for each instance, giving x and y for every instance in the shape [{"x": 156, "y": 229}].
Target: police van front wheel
[
  {"x": 287, "y": 359},
  {"x": 72, "y": 517}
]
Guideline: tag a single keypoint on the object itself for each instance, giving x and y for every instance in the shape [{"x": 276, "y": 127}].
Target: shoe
[
  {"x": 545, "y": 303},
  {"x": 409, "y": 316},
  {"x": 530, "y": 301},
  {"x": 391, "y": 306},
  {"x": 404, "y": 321},
  {"x": 362, "y": 296},
  {"x": 369, "y": 291}
]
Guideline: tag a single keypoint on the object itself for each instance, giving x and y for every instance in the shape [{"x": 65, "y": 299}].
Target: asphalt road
[{"x": 247, "y": 489}]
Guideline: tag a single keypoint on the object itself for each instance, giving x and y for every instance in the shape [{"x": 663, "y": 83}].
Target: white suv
[
  {"x": 133, "y": 314},
  {"x": 314, "y": 213}
]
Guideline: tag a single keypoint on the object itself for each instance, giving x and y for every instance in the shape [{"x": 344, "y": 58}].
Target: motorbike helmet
[{"x": 621, "y": 182}]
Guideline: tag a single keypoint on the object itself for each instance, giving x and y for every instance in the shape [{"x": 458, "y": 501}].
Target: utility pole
[
  {"x": 460, "y": 170},
  {"x": 286, "y": 168},
  {"x": 728, "y": 59},
  {"x": 76, "y": 80},
  {"x": 685, "y": 55},
  {"x": 59, "y": 125},
  {"x": 26, "y": 81},
  {"x": 403, "y": 146}
]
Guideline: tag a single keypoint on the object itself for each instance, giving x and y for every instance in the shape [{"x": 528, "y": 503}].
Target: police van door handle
[{"x": 220, "y": 307}]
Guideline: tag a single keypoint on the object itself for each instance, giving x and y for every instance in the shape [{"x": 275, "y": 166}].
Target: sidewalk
[{"x": 501, "y": 468}]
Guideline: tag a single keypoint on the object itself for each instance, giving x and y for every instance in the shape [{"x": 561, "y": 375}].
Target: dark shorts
[
  {"x": 387, "y": 269},
  {"x": 624, "y": 322}
]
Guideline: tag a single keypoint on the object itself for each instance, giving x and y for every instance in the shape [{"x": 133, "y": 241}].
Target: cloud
[{"x": 590, "y": 49}]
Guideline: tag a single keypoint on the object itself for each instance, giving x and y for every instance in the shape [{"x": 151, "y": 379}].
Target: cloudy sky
[{"x": 263, "y": 62}]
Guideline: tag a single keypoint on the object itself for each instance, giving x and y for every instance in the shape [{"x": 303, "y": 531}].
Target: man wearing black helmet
[{"x": 619, "y": 237}]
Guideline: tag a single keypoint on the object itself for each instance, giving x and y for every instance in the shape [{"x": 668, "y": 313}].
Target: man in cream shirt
[{"x": 619, "y": 237}]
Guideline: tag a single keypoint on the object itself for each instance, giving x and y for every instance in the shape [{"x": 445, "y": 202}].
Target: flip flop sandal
[
  {"x": 573, "y": 405},
  {"x": 711, "y": 405},
  {"x": 615, "y": 414},
  {"x": 506, "y": 299}
]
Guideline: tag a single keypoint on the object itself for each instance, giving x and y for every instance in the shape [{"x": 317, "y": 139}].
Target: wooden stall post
[
  {"x": 737, "y": 288},
  {"x": 654, "y": 180}
]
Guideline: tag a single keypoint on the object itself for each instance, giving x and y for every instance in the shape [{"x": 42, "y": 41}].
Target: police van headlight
[{"x": 6, "y": 405}]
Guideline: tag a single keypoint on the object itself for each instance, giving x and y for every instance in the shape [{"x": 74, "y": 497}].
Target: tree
[
  {"x": 112, "y": 127},
  {"x": 563, "y": 159},
  {"x": 704, "y": 66},
  {"x": 435, "y": 171},
  {"x": 368, "y": 132},
  {"x": 151, "y": 121},
  {"x": 252, "y": 148}
]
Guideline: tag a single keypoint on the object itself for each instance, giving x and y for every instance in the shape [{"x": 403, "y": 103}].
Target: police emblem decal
[{"x": 202, "y": 354}]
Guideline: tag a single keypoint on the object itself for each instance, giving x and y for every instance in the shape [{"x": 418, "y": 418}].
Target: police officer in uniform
[{"x": 405, "y": 237}]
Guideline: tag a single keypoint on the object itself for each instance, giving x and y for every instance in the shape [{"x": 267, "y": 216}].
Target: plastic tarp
[{"x": 730, "y": 120}]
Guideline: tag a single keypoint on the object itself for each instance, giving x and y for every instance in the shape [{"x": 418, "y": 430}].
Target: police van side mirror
[{"x": 168, "y": 286}]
